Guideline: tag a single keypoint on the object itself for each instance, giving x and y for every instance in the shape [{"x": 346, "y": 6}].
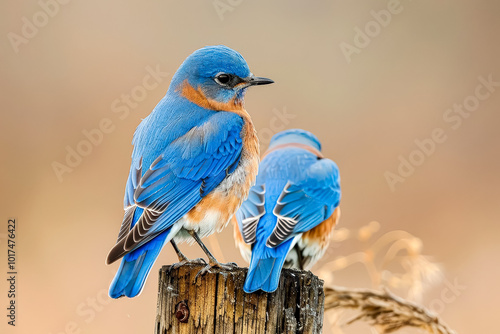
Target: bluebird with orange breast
[
  {"x": 195, "y": 158},
  {"x": 290, "y": 212}
]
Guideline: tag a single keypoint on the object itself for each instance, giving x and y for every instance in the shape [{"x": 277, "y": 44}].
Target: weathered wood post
[{"x": 216, "y": 303}]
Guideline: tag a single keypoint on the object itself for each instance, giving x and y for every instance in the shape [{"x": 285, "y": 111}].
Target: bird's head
[
  {"x": 295, "y": 136},
  {"x": 215, "y": 77}
]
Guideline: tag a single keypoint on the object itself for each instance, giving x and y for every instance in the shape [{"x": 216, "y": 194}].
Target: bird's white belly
[
  {"x": 313, "y": 250},
  {"x": 204, "y": 228},
  {"x": 215, "y": 210}
]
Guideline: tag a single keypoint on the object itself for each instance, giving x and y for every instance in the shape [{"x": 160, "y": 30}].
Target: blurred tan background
[{"x": 396, "y": 89}]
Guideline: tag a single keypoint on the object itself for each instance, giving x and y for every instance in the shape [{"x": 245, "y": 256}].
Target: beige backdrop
[{"x": 368, "y": 97}]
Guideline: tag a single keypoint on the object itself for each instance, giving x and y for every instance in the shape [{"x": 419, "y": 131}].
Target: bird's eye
[{"x": 223, "y": 79}]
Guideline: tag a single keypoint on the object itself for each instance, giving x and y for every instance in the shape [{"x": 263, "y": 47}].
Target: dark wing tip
[
  {"x": 109, "y": 260},
  {"x": 116, "y": 252}
]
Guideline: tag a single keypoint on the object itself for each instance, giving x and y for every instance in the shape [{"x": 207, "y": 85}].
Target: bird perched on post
[
  {"x": 290, "y": 212},
  {"x": 195, "y": 158}
]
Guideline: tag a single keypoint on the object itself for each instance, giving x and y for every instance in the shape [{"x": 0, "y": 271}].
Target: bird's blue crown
[
  {"x": 202, "y": 68},
  {"x": 295, "y": 136}
]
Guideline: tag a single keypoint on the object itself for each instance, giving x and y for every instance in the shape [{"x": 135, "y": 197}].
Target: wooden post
[{"x": 216, "y": 303}]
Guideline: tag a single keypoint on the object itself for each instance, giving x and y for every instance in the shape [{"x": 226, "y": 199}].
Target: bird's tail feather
[
  {"x": 135, "y": 267},
  {"x": 265, "y": 275},
  {"x": 265, "y": 268}
]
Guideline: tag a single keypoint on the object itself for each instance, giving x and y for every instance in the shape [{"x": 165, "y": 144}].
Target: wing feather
[
  {"x": 186, "y": 171},
  {"x": 307, "y": 202},
  {"x": 250, "y": 213}
]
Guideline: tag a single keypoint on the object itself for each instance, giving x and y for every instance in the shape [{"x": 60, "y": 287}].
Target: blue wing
[
  {"x": 306, "y": 202},
  {"x": 186, "y": 171},
  {"x": 250, "y": 213}
]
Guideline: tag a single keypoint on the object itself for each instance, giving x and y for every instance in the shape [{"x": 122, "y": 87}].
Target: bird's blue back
[
  {"x": 275, "y": 171},
  {"x": 164, "y": 125}
]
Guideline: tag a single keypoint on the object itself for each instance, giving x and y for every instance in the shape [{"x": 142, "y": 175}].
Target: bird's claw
[
  {"x": 202, "y": 272},
  {"x": 198, "y": 261},
  {"x": 226, "y": 266},
  {"x": 186, "y": 261},
  {"x": 177, "y": 265},
  {"x": 206, "y": 269}
]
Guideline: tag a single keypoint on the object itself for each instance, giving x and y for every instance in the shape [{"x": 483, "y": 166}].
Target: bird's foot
[
  {"x": 186, "y": 261},
  {"x": 177, "y": 265},
  {"x": 198, "y": 261},
  {"x": 212, "y": 264},
  {"x": 225, "y": 266}
]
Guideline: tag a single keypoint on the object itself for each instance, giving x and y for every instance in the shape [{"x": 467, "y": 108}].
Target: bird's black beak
[{"x": 254, "y": 81}]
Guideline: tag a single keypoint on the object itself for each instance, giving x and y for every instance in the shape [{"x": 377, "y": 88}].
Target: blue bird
[
  {"x": 195, "y": 158},
  {"x": 290, "y": 212}
]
